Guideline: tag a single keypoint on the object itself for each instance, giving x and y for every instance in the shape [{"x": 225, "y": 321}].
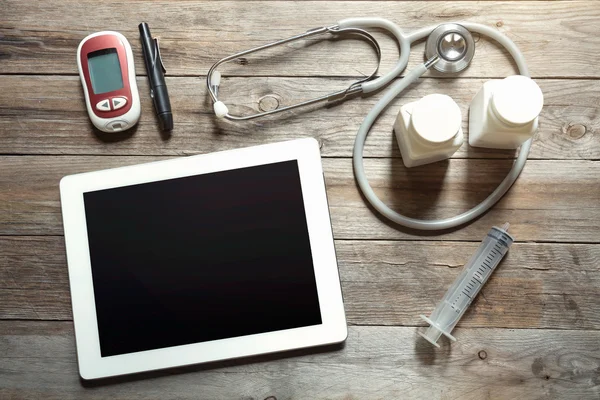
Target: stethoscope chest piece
[{"x": 454, "y": 46}]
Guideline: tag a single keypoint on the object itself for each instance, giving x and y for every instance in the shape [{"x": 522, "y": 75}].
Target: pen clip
[{"x": 158, "y": 55}]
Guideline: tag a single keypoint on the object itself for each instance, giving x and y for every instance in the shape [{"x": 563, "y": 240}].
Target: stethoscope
[{"x": 449, "y": 48}]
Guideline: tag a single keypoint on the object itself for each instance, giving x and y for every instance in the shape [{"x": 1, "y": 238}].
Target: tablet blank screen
[{"x": 201, "y": 258}]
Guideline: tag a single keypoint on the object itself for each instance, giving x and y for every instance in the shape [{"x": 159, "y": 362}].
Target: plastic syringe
[{"x": 466, "y": 286}]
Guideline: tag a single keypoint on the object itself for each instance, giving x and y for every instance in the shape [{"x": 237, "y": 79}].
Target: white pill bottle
[
  {"x": 504, "y": 113},
  {"x": 428, "y": 130}
]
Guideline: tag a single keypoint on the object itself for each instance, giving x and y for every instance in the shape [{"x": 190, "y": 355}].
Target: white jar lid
[
  {"x": 436, "y": 118},
  {"x": 518, "y": 99}
]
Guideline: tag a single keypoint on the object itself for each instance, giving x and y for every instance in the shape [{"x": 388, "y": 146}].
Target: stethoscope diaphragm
[{"x": 453, "y": 45}]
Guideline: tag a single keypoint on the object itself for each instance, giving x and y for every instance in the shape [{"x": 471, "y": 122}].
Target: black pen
[{"x": 156, "y": 77}]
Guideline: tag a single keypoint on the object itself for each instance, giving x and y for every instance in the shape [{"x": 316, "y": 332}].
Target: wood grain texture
[
  {"x": 38, "y": 360},
  {"x": 551, "y": 201},
  {"x": 45, "y": 115},
  {"x": 43, "y": 38},
  {"x": 534, "y": 331},
  {"x": 536, "y": 286}
]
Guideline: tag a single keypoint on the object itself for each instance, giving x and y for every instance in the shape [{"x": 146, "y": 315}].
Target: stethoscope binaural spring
[{"x": 450, "y": 48}]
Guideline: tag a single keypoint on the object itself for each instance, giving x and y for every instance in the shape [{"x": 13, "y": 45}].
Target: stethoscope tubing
[{"x": 398, "y": 87}]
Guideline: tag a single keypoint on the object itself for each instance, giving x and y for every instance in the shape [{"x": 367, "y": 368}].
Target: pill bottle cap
[
  {"x": 517, "y": 100},
  {"x": 436, "y": 118}
]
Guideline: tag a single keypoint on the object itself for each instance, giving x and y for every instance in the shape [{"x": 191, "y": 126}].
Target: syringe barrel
[{"x": 468, "y": 283}]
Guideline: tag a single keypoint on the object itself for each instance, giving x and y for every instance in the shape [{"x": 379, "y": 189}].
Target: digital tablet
[{"x": 201, "y": 258}]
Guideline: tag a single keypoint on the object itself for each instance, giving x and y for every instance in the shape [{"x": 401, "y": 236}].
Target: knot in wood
[
  {"x": 575, "y": 131},
  {"x": 268, "y": 103},
  {"x": 482, "y": 354}
]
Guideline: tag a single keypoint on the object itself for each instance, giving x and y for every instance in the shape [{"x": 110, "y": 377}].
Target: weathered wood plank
[
  {"x": 537, "y": 285},
  {"x": 551, "y": 201},
  {"x": 38, "y": 360},
  {"x": 43, "y": 38},
  {"x": 384, "y": 283},
  {"x": 46, "y": 115},
  {"x": 33, "y": 279}
]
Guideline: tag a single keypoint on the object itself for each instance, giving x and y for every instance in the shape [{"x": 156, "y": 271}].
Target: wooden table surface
[{"x": 532, "y": 333}]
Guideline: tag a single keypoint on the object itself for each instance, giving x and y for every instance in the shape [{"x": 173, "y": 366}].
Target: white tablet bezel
[{"x": 332, "y": 330}]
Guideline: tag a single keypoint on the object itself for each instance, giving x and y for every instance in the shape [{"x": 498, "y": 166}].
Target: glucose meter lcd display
[
  {"x": 105, "y": 71},
  {"x": 201, "y": 258}
]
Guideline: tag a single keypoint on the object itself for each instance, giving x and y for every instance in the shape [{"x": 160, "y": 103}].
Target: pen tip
[{"x": 166, "y": 121}]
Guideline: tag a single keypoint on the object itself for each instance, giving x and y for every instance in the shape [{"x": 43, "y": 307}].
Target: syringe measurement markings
[
  {"x": 467, "y": 285},
  {"x": 454, "y": 304}
]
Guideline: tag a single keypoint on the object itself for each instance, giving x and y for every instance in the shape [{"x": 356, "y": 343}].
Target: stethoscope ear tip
[{"x": 220, "y": 109}]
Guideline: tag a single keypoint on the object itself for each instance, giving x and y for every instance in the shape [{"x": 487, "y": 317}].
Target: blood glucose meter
[{"x": 107, "y": 73}]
